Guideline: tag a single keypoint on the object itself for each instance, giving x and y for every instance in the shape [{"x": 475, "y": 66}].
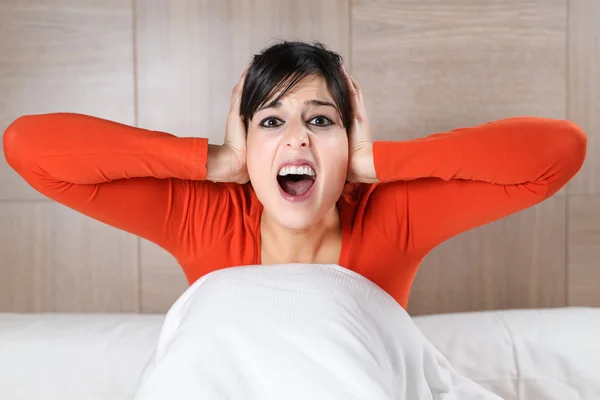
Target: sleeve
[
  {"x": 448, "y": 183},
  {"x": 144, "y": 182}
]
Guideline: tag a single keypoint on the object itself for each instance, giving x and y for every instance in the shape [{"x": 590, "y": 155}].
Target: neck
[{"x": 282, "y": 245}]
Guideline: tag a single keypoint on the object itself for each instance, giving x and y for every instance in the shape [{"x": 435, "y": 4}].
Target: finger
[
  {"x": 348, "y": 79},
  {"x": 350, "y": 85},
  {"x": 242, "y": 78},
  {"x": 351, "y": 81},
  {"x": 356, "y": 87},
  {"x": 358, "y": 90},
  {"x": 236, "y": 103},
  {"x": 355, "y": 91},
  {"x": 240, "y": 83},
  {"x": 236, "y": 93},
  {"x": 355, "y": 94}
]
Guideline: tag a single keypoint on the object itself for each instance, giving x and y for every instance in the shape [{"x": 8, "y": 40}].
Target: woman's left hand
[{"x": 361, "y": 167}]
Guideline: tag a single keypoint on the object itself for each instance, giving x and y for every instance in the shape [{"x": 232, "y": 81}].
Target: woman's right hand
[
  {"x": 227, "y": 163},
  {"x": 235, "y": 136}
]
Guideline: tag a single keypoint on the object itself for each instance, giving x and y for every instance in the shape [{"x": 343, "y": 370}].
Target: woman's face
[{"x": 298, "y": 155}]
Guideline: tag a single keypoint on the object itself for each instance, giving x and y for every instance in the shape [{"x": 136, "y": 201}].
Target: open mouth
[{"x": 296, "y": 180}]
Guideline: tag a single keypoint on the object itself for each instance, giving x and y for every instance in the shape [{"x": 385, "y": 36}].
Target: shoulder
[
  {"x": 231, "y": 197},
  {"x": 218, "y": 214}
]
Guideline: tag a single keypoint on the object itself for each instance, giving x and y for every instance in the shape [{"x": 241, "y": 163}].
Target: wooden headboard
[{"x": 424, "y": 66}]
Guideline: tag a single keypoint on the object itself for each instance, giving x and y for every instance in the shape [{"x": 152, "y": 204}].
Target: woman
[{"x": 298, "y": 179}]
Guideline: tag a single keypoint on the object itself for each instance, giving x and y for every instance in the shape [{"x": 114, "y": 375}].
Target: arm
[
  {"x": 448, "y": 183},
  {"x": 140, "y": 181}
]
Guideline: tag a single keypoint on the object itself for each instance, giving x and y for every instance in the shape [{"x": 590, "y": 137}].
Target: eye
[
  {"x": 269, "y": 122},
  {"x": 319, "y": 121},
  {"x": 323, "y": 121}
]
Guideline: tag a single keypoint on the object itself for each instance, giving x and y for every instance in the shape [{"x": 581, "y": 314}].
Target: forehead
[
  {"x": 313, "y": 86},
  {"x": 311, "y": 90}
]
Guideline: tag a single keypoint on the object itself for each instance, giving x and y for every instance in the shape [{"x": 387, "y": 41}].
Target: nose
[{"x": 296, "y": 137}]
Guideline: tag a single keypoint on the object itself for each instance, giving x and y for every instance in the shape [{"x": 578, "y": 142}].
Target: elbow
[
  {"x": 569, "y": 146},
  {"x": 574, "y": 146},
  {"x": 15, "y": 141}
]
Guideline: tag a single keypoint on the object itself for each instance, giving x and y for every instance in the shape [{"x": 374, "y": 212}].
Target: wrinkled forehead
[{"x": 311, "y": 90}]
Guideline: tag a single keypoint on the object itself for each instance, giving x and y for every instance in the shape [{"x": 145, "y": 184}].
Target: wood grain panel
[
  {"x": 162, "y": 279},
  {"x": 63, "y": 55},
  {"x": 54, "y": 259},
  {"x": 517, "y": 262},
  {"x": 75, "y": 56},
  {"x": 584, "y": 87},
  {"x": 190, "y": 54},
  {"x": 429, "y": 66},
  {"x": 584, "y": 251}
]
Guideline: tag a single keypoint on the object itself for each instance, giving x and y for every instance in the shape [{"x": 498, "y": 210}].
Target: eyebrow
[{"x": 314, "y": 102}]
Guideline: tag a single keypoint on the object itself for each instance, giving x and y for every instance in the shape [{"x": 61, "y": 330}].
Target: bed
[{"x": 518, "y": 354}]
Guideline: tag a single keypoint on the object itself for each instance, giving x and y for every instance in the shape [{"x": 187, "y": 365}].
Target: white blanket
[{"x": 295, "y": 332}]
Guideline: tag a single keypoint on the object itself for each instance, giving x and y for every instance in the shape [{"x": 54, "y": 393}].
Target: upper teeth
[{"x": 297, "y": 170}]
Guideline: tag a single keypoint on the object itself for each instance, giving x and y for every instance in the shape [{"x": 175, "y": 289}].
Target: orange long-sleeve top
[{"x": 152, "y": 184}]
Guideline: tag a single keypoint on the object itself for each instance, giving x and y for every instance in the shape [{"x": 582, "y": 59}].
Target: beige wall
[{"x": 424, "y": 66}]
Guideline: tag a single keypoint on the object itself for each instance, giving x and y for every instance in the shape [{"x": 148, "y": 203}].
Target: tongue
[{"x": 296, "y": 187}]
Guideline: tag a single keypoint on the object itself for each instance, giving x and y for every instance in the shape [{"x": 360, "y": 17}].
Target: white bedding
[
  {"x": 74, "y": 356},
  {"x": 539, "y": 354},
  {"x": 296, "y": 332}
]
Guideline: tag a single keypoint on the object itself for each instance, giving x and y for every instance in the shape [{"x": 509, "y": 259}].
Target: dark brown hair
[{"x": 285, "y": 64}]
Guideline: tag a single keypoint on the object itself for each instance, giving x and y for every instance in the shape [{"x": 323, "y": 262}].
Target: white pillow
[
  {"x": 535, "y": 354},
  {"x": 295, "y": 331},
  {"x": 54, "y": 356}
]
